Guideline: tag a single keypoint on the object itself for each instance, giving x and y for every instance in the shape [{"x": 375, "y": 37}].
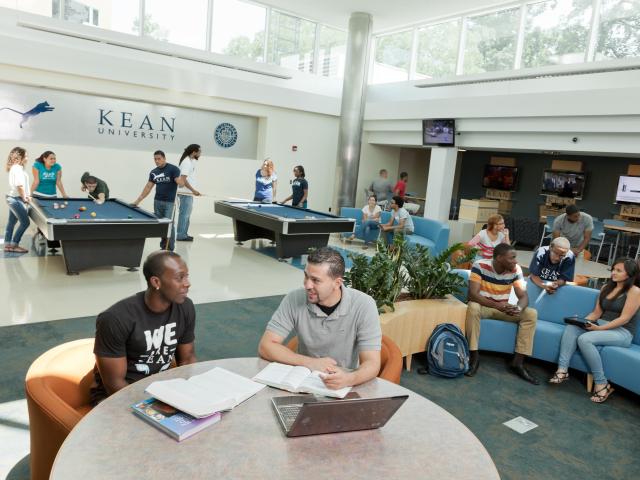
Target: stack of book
[{"x": 182, "y": 407}]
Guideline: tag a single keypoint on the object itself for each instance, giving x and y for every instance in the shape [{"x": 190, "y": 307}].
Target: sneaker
[{"x": 185, "y": 239}]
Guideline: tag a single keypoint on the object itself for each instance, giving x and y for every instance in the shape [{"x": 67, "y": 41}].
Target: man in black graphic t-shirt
[
  {"x": 140, "y": 335},
  {"x": 166, "y": 178}
]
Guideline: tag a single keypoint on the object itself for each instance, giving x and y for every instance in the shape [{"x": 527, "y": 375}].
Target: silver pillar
[{"x": 354, "y": 89}]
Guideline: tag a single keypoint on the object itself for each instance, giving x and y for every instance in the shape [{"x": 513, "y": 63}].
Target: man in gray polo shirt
[
  {"x": 575, "y": 226},
  {"x": 382, "y": 187},
  {"x": 338, "y": 328}
]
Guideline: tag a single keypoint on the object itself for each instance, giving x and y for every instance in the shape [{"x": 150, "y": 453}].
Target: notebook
[
  {"x": 302, "y": 415},
  {"x": 203, "y": 395},
  {"x": 297, "y": 380},
  {"x": 578, "y": 321}
]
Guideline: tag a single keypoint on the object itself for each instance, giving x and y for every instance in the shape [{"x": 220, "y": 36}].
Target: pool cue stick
[{"x": 173, "y": 226}]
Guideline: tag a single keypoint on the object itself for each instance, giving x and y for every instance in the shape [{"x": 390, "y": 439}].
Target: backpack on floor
[{"x": 447, "y": 352}]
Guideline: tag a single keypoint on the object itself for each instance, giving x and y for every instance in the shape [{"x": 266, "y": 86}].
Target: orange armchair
[
  {"x": 390, "y": 359},
  {"x": 57, "y": 390}
]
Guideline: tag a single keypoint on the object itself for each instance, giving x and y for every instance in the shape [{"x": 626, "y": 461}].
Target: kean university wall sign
[{"x": 56, "y": 117}]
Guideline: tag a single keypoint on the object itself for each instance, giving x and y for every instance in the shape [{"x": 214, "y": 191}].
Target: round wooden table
[{"x": 420, "y": 441}]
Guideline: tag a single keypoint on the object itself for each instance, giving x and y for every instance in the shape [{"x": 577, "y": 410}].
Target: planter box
[{"x": 411, "y": 324}]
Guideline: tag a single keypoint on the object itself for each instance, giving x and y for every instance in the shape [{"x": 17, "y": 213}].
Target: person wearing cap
[{"x": 575, "y": 226}]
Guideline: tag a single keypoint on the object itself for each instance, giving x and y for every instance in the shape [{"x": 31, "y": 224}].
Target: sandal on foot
[
  {"x": 559, "y": 377},
  {"x": 18, "y": 249},
  {"x": 601, "y": 395},
  {"x": 8, "y": 248}
]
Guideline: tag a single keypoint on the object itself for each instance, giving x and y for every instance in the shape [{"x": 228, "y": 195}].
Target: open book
[
  {"x": 204, "y": 394},
  {"x": 297, "y": 380}
]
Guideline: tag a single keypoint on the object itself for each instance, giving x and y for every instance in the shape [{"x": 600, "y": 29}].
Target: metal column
[{"x": 352, "y": 110}]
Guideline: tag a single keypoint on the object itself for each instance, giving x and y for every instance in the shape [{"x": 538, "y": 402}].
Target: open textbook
[
  {"x": 297, "y": 380},
  {"x": 204, "y": 394}
]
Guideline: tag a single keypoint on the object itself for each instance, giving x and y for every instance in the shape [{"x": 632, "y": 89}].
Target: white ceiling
[{"x": 387, "y": 14}]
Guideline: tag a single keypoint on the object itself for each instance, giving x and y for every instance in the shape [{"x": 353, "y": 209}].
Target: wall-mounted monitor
[
  {"x": 439, "y": 132},
  {"x": 628, "y": 189},
  {"x": 500, "y": 177},
  {"x": 563, "y": 184}
]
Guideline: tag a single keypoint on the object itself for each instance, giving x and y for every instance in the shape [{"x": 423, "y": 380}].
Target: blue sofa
[
  {"x": 430, "y": 233},
  {"x": 621, "y": 365}
]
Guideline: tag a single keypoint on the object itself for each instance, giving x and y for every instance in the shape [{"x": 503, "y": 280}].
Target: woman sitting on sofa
[
  {"x": 493, "y": 235},
  {"x": 613, "y": 323}
]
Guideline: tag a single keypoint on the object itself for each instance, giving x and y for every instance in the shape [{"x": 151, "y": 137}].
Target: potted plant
[{"x": 412, "y": 289}]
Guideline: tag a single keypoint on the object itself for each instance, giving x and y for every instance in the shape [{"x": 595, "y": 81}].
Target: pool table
[
  {"x": 294, "y": 230},
  {"x": 115, "y": 236}
]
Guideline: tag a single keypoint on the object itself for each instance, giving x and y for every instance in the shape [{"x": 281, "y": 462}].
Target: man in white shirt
[
  {"x": 400, "y": 221},
  {"x": 187, "y": 190}
]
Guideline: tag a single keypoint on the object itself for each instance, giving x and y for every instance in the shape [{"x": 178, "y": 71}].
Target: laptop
[{"x": 302, "y": 415}]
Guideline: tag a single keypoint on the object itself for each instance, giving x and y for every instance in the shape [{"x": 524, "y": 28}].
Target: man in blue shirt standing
[
  {"x": 553, "y": 266},
  {"x": 166, "y": 178}
]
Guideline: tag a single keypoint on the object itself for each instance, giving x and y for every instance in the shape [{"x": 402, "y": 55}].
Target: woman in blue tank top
[
  {"x": 47, "y": 176},
  {"x": 613, "y": 323}
]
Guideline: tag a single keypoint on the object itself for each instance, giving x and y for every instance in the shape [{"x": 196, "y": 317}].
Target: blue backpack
[{"x": 447, "y": 352}]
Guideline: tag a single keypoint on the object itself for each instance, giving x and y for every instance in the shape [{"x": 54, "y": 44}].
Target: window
[
  {"x": 491, "y": 42},
  {"x": 438, "y": 50},
  {"x": 556, "y": 32},
  {"x": 238, "y": 29},
  {"x": 332, "y": 51},
  {"x": 392, "y": 57},
  {"x": 182, "y": 23},
  {"x": 291, "y": 41},
  {"x": 619, "y": 32}
]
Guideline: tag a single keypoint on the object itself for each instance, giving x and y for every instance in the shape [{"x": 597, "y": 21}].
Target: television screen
[
  {"x": 628, "y": 189},
  {"x": 563, "y": 184},
  {"x": 439, "y": 132},
  {"x": 500, "y": 177}
]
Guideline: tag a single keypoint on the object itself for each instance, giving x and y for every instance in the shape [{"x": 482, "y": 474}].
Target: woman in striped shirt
[{"x": 487, "y": 239}]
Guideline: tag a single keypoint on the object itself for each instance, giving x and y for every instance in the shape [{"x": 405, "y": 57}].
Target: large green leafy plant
[{"x": 412, "y": 268}]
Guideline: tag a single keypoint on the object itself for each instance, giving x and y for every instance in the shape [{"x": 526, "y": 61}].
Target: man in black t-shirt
[
  {"x": 96, "y": 188},
  {"x": 141, "y": 335},
  {"x": 166, "y": 178}
]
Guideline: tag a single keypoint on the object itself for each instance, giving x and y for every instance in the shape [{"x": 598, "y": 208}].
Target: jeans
[
  {"x": 18, "y": 212},
  {"x": 164, "y": 209},
  {"x": 388, "y": 236},
  {"x": 186, "y": 205},
  {"x": 370, "y": 231},
  {"x": 575, "y": 337}
]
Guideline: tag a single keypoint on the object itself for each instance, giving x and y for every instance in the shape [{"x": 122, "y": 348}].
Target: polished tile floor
[{"x": 36, "y": 288}]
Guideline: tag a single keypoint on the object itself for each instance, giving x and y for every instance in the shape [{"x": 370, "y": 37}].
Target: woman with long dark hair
[
  {"x": 187, "y": 190},
  {"x": 613, "y": 322},
  {"x": 299, "y": 188},
  {"x": 18, "y": 198},
  {"x": 47, "y": 176}
]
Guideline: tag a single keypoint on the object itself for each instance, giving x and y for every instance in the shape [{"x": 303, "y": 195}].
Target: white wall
[
  {"x": 373, "y": 158},
  {"x": 602, "y": 110},
  {"x": 302, "y": 112}
]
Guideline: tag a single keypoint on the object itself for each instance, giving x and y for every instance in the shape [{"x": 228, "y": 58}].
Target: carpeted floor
[{"x": 575, "y": 438}]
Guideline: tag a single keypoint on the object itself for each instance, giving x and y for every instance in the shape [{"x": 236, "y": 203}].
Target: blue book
[{"x": 171, "y": 421}]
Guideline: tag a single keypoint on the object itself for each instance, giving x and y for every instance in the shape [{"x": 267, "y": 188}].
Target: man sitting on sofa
[
  {"x": 553, "y": 266},
  {"x": 490, "y": 284}
]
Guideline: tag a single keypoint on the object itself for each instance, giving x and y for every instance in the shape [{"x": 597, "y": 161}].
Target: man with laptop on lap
[{"x": 338, "y": 328}]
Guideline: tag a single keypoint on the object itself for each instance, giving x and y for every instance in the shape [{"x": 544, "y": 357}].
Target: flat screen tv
[
  {"x": 563, "y": 184},
  {"x": 500, "y": 177},
  {"x": 439, "y": 132},
  {"x": 628, "y": 190}
]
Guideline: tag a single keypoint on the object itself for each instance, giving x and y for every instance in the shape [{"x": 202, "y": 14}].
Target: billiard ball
[
  {"x": 93, "y": 214},
  {"x": 55, "y": 206},
  {"x": 76, "y": 216},
  {"x": 82, "y": 209},
  {"x": 63, "y": 205},
  {"x": 129, "y": 216}
]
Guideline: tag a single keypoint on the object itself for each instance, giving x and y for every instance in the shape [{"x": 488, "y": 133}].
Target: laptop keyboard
[{"x": 289, "y": 413}]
